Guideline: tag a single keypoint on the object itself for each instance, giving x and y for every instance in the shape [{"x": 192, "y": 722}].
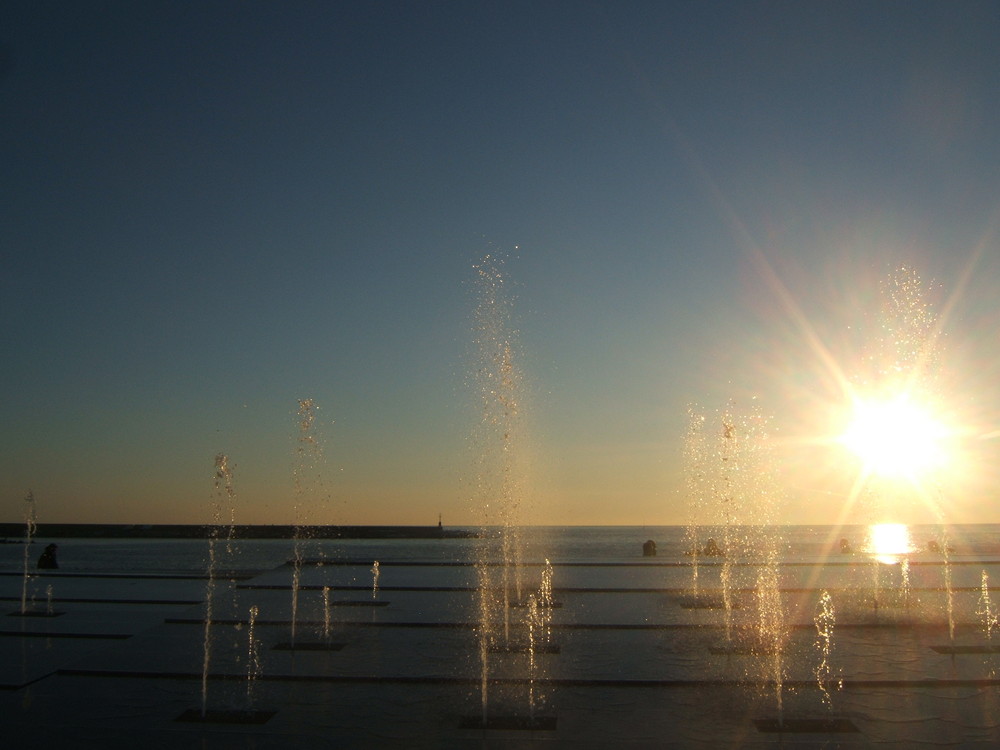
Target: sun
[{"x": 896, "y": 438}]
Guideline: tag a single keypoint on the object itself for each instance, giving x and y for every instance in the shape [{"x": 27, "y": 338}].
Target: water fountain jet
[
  {"x": 30, "y": 526},
  {"x": 500, "y": 486},
  {"x": 223, "y": 495}
]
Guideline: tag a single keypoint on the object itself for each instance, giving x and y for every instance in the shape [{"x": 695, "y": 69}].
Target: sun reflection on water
[{"x": 889, "y": 543}]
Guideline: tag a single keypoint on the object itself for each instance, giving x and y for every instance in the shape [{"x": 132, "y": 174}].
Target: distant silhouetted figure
[
  {"x": 933, "y": 546},
  {"x": 712, "y": 549},
  {"x": 649, "y": 548},
  {"x": 47, "y": 560},
  {"x": 845, "y": 547}
]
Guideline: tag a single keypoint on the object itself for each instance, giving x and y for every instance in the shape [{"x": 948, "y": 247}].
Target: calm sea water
[{"x": 608, "y": 544}]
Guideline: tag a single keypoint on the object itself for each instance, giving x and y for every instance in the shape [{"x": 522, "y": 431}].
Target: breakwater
[{"x": 245, "y": 531}]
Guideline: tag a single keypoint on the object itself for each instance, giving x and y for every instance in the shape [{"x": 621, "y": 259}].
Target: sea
[{"x": 557, "y": 544}]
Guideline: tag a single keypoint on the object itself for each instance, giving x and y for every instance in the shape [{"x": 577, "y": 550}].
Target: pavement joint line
[
  {"x": 471, "y": 625},
  {"x": 598, "y": 590},
  {"x": 323, "y": 562},
  {"x": 53, "y": 634},
  {"x": 73, "y": 600},
  {"x": 554, "y": 682}
]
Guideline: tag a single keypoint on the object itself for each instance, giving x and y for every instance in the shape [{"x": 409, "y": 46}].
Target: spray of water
[
  {"x": 307, "y": 458},
  {"x": 545, "y": 589},
  {"x": 499, "y": 462},
  {"x": 905, "y": 356},
  {"x": 760, "y": 491},
  {"x": 985, "y": 609},
  {"x": 326, "y": 612},
  {"x": 207, "y": 633},
  {"x": 771, "y": 625},
  {"x": 31, "y": 524},
  {"x": 697, "y": 487},
  {"x": 223, "y": 496},
  {"x": 904, "y": 582},
  {"x": 825, "y": 620},
  {"x": 375, "y": 576},
  {"x": 727, "y": 499},
  {"x": 535, "y": 627},
  {"x": 253, "y": 656},
  {"x": 949, "y": 589}
]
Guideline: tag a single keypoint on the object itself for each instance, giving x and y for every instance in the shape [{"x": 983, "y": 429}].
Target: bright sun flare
[{"x": 896, "y": 438}]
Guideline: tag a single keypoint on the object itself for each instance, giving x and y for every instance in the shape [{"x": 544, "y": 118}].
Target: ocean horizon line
[{"x": 16, "y": 531}]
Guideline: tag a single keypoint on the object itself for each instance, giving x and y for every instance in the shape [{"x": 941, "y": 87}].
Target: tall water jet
[
  {"x": 747, "y": 496},
  {"x": 761, "y": 492},
  {"x": 30, "y": 522},
  {"x": 307, "y": 458},
  {"x": 746, "y": 491},
  {"x": 895, "y": 431},
  {"x": 499, "y": 465},
  {"x": 223, "y": 496},
  {"x": 698, "y": 491},
  {"x": 375, "y": 576},
  {"x": 727, "y": 501}
]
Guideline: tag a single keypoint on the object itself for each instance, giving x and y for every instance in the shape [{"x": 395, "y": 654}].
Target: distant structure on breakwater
[{"x": 241, "y": 531}]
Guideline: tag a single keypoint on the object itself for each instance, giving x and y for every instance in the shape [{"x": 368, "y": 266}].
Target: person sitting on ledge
[
  {"x": 649, "y": 548},
  {"x": 47, "y": 560},
  {"x": 712, "y": 549},
  {"x": 845, "y": 547}
]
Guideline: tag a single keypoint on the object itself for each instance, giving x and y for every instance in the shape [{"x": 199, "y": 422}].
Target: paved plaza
[{"x": 624, "y": 657}]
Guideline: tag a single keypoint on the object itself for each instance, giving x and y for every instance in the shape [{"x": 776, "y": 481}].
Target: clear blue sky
[{"x": 209, "y": 210}]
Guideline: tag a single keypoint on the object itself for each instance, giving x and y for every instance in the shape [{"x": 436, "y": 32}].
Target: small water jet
[
  {"x": 326, "y": 612},
  {"x": 324, "y": 643},
  {"x": 371, "y": 602},
  {"x": 28, "y": 607},
  {"x": 254, "y": 668},
  {"x": 904, "y": 582},
  {"x": 30, "y": 523},
  {"x": 538, "y": 612},
  {"x": 949, "y": 588},
  {"x": 988, "y": 615},
  {"x": 825, "y": 620},
  {"x": 985, "y": 608}
]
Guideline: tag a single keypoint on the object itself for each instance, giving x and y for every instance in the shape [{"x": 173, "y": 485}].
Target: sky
[{"x": 210, "y": 211}]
